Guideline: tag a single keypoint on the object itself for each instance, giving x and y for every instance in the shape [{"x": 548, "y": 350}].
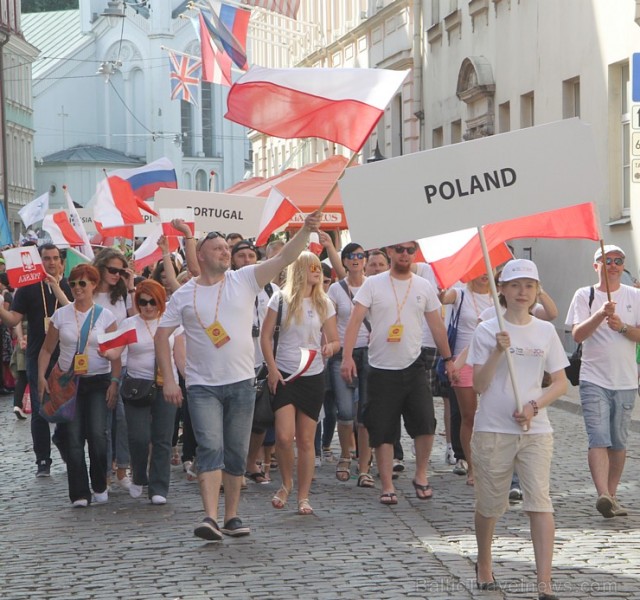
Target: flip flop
[
  {"x": 426, "y": 489},
  {"x": 389, "y": 498},
  {"x": 257, "y": 477}
]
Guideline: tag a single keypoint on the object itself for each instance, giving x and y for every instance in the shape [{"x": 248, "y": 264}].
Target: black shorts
[
  {"x": 305, "y": 393},
  {"x": 393, "y": 394}
]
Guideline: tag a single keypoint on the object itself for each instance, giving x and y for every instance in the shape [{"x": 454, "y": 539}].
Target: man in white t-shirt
[
  {"x": 216, "y": 310},
  {"x": 398, "y": 302},
  {"x": 606, "y": 323}
]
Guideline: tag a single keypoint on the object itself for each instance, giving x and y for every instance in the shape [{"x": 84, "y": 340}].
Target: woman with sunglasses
[
  {"x": 76, "y": 327},
  {"x": 307, "y": 315},
  {"x": 150, "y": 426},
  {"x": 341, "y": 294},
  {"x": 114, "y": 293}
]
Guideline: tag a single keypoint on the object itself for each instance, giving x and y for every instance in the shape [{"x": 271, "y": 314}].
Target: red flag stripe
[{"x": 67, "y": 230}]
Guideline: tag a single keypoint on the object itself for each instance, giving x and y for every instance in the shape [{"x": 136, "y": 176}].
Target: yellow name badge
[
  {"x": 47, "y": 321},
  {"x": 217, "y": 334},
  {"x": 395, "y": 333},
  {"x": 80, "y": 364}
]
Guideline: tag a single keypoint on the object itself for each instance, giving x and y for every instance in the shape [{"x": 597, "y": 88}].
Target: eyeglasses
[
  {"x": 142, "y": 302},
  {"x": 403, "y": 249},
  {"x": 315, "y": 268},
  {"x": 81, "y": 282},
  {"x": 116, "y": 271},
  {"x": 212, "y": 235},
  {"x": 354, "y": 255},
  {"x": 616, "y": 261}
]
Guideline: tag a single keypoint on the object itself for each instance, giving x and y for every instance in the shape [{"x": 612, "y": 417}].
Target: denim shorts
[
  {"x": 221, "y": 416},
  {"x": 607, "y": 414},
  {"x": 345, "y": 393}
]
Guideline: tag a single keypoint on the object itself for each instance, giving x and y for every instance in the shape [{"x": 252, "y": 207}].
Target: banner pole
[
  {"x": 496, "y": 303},
  {"x": 604, "y": 270},
  {"x": 335, "y": 183}
]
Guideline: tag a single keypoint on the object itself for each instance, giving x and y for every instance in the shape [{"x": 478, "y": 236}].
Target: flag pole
[
  {"x": 335, "y": 183},
  {"x": 604, "y": 270},
  {"x": 496, "y": 303}
]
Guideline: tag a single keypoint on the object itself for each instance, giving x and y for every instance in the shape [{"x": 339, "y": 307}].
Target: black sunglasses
[
  {"x": 616, "y": 261},
  {"x": 143, "y": 302},
  {"x": 355, "y": 255},
  {"x": 81, "y": 282},
  {"x": 116, "y": 271},
  {"x": 212, "y": 235},
  {"x": 402, "y": 249}
]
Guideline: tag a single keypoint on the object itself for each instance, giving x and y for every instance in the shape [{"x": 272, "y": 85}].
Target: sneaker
[
  {"x": 449, "y": 455},
  {"x": 100, "y": 498},
  {"x": 124, "y": 483},
  {"x": 618, "y": 509},
  {"x": 605, "y": 506},
  {"x": 135, "y": 491},
  {"x": 158, "y": 500},
  {"x": 234, "y": 528},
  {"x": 515, "y": 494},
  {"x": 318, "y": 462},
  {"x": 81, "y": 503},
  {"x": 398, "y": 465},
  {"x": 20, "y": 414},
  {"x": 461, "y": 467},
  {"x": 208, "y": 530},
  {"x": 44, "y": 469}
]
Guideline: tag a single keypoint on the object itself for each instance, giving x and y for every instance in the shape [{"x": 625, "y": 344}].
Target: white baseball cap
[
  {"x": 607, "y": 249},
  {"x": 520, "y": 267}
]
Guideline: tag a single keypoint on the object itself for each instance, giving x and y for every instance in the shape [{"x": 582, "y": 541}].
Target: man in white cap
[{"x": 608, "y": 331}]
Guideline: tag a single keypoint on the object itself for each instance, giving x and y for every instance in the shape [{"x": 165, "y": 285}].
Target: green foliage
[{"x": 32, "y": 6}]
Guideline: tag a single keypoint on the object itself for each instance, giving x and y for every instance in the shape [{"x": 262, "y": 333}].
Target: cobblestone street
[{"x": 353, "y": 547}]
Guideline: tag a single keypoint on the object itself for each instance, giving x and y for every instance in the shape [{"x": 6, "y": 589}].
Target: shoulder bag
[
  {"x": 452, "y": 335},
  {"x": 575, "y": 360}
]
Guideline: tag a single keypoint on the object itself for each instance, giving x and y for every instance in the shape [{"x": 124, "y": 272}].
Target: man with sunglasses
[
  {"x": 398, "y": 302},
  {"x": 216, "y": 309},
  {"x": 608, "y": 330},
  {"x": 37, "y": 303}
]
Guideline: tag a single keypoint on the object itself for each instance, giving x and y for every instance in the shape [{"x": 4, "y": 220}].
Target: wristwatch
[{"x": 624, "y": 329}]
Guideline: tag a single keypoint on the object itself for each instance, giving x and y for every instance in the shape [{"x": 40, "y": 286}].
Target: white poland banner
[{"x": 470, "y": 184}]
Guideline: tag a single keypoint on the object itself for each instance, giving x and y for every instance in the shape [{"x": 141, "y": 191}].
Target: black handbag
[
  {"x": 138, "y": 392},
  {"x": 263, "y": 416},
  {"x": 452, "y": 335},
  {"x": 575, "y": 360}
]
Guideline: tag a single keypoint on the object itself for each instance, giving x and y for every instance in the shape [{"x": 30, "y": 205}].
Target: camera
[{"x": 255, "y": 331}]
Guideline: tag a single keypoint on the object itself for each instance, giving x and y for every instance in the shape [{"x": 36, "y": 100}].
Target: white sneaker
[
  {"x": 81, "y": 503},
  {"x": 102, "y": 498},
  {"x": 318, "y": 461},
  {"x": 124, "y": 483},
  {"x": 135, "y": 491},
  {"x": 449, "y": 455},
  {"x": 157, "y": 499},
  {"x": 461, "y": 467}
]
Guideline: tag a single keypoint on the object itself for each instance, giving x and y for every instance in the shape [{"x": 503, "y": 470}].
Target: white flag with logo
[{"x": 35, "y": 210}]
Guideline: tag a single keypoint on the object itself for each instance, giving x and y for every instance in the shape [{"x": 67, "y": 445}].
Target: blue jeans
[
  {"x": 221, "y": 416},
  {"x": 90, "y": 424},
  {"x": 122, "y": 439},
  {"x": 40, "y": 432},
  {"x": 345, "y": 393},
  {"x": 151, "y": 425}
]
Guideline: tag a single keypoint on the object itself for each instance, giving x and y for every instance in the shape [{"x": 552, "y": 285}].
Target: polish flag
[
  {"x": 106, "y": 233},
  {"x": 76, "y": 223},
  {"x": 277, "y": 212},
  {"x": 117, "y": 205},
  {"x": 168, "y": 214},
  {"x": 339, "y": 105},
  {"x": 122, "y": 337},
  {"x": 149, "y": 252},
  {"x": 314, "y": 244},
  {"x": 24, "y": 266},
  {"x": 62, "y": 233},
  {"x": 306, "y": 358}
]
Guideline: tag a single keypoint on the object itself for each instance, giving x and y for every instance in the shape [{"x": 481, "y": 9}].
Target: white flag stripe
[{"x": 76, "y": 223}]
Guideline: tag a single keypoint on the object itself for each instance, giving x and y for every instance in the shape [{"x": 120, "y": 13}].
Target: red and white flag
[
  {"x": 117, "y": 205},
  {"x": 62, "y": 233},
  {"x": 149, "y": 252},
  {"x": 122, "y": 337},
  {"x": 306, "y": 358},
  {"x": 216, "y": 63},
  {"x": 76, "y": 223},
  {"x": 277, "y": 212},
  {"x": 168, "y": 214},
  {"x": 314, "y": 244},
  {"x": 339, "y": 105},
  {"x": 24, "y": 266}
]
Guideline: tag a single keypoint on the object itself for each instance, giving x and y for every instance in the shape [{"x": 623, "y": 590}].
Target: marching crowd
[{"x": 364, "y": 350}]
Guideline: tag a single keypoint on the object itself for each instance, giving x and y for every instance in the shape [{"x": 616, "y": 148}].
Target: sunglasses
[
  {"x": 212, "y": 235},
  {"x": 116, "y": 271},
  {"x": 403, "y": 249},
  {"x": 315, "y": 268},
  {"x": 614, "y": 261},
  {"x": 142, "y": 302},
  {"x": 355, "y": 255},
  {"x": 81, "y": 282}
]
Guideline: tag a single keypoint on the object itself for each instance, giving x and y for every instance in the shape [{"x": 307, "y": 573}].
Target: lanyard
[
  {"x": 44, "y": 302},
  {"x": 195, "y": 308},
  {"x": 399, "y": 307}
]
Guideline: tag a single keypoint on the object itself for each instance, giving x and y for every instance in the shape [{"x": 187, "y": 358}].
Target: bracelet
[
  {"x": 623, "y": 329},
  {"x": 115, "y": 380},
  {"x": 186, "y": 238},
  {"x": 447, "y": 359},
  {"x": 534, "y": 405}
]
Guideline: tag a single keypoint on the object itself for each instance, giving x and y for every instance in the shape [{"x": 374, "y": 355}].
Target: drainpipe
[
  {"x": 4, "y": 39},
  {"x": 418, "y": 108}
]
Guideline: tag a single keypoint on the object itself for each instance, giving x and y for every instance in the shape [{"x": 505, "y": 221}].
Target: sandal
[
  {"x": 189, "y": 467},
  {"x": 257, "y": 477},
  {"x": 279, "y": 500},
  {"x": 389, "y": 498},
  {"x": 425, "y": 489},
  {"x": 175, "y": 456},
  {"x": 343, "y": 469},
  {"x": 365, "y": 480},
  {"x": 304, "y": 508}
]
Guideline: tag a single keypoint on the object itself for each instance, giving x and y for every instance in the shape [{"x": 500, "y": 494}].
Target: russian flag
[
  {"x": 231, "y": 31},
  {"x": 122, "y": 337},
  {"x": 146, "y": 181}
]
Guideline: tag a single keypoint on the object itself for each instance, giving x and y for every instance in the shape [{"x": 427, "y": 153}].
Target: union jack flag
[{"x": 185, "y": 77}]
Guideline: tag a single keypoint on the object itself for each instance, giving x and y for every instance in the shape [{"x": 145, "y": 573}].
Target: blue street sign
[{"x": 635, "y": 78}]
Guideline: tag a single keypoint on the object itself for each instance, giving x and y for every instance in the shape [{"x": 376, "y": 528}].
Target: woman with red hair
[{"x": 150, "y": 419}]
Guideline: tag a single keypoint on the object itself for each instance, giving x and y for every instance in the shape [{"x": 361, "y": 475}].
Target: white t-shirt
[
  {"x": 234, "y": 361},
  {"x": 608, "y": 358},
  {"x": 119, "y": 311},
  {"x": 377, "y": 295},
  {"x": 344, "y": 306},
  {"x": 426, "y": 272},
  {"x": 535, "y": 348},
  {"x": 472, "y": 307},
  {"x": 259, "y": 313},
  {"x": 64, "y": 320},
  {"x": 142, "y": 355},
  {"x": 307, "y": 334}
]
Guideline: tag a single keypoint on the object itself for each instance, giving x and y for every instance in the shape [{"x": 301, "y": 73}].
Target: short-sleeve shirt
[
  {"x": 259, "y": 312},
  {"x": 344, "y": 305}
]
